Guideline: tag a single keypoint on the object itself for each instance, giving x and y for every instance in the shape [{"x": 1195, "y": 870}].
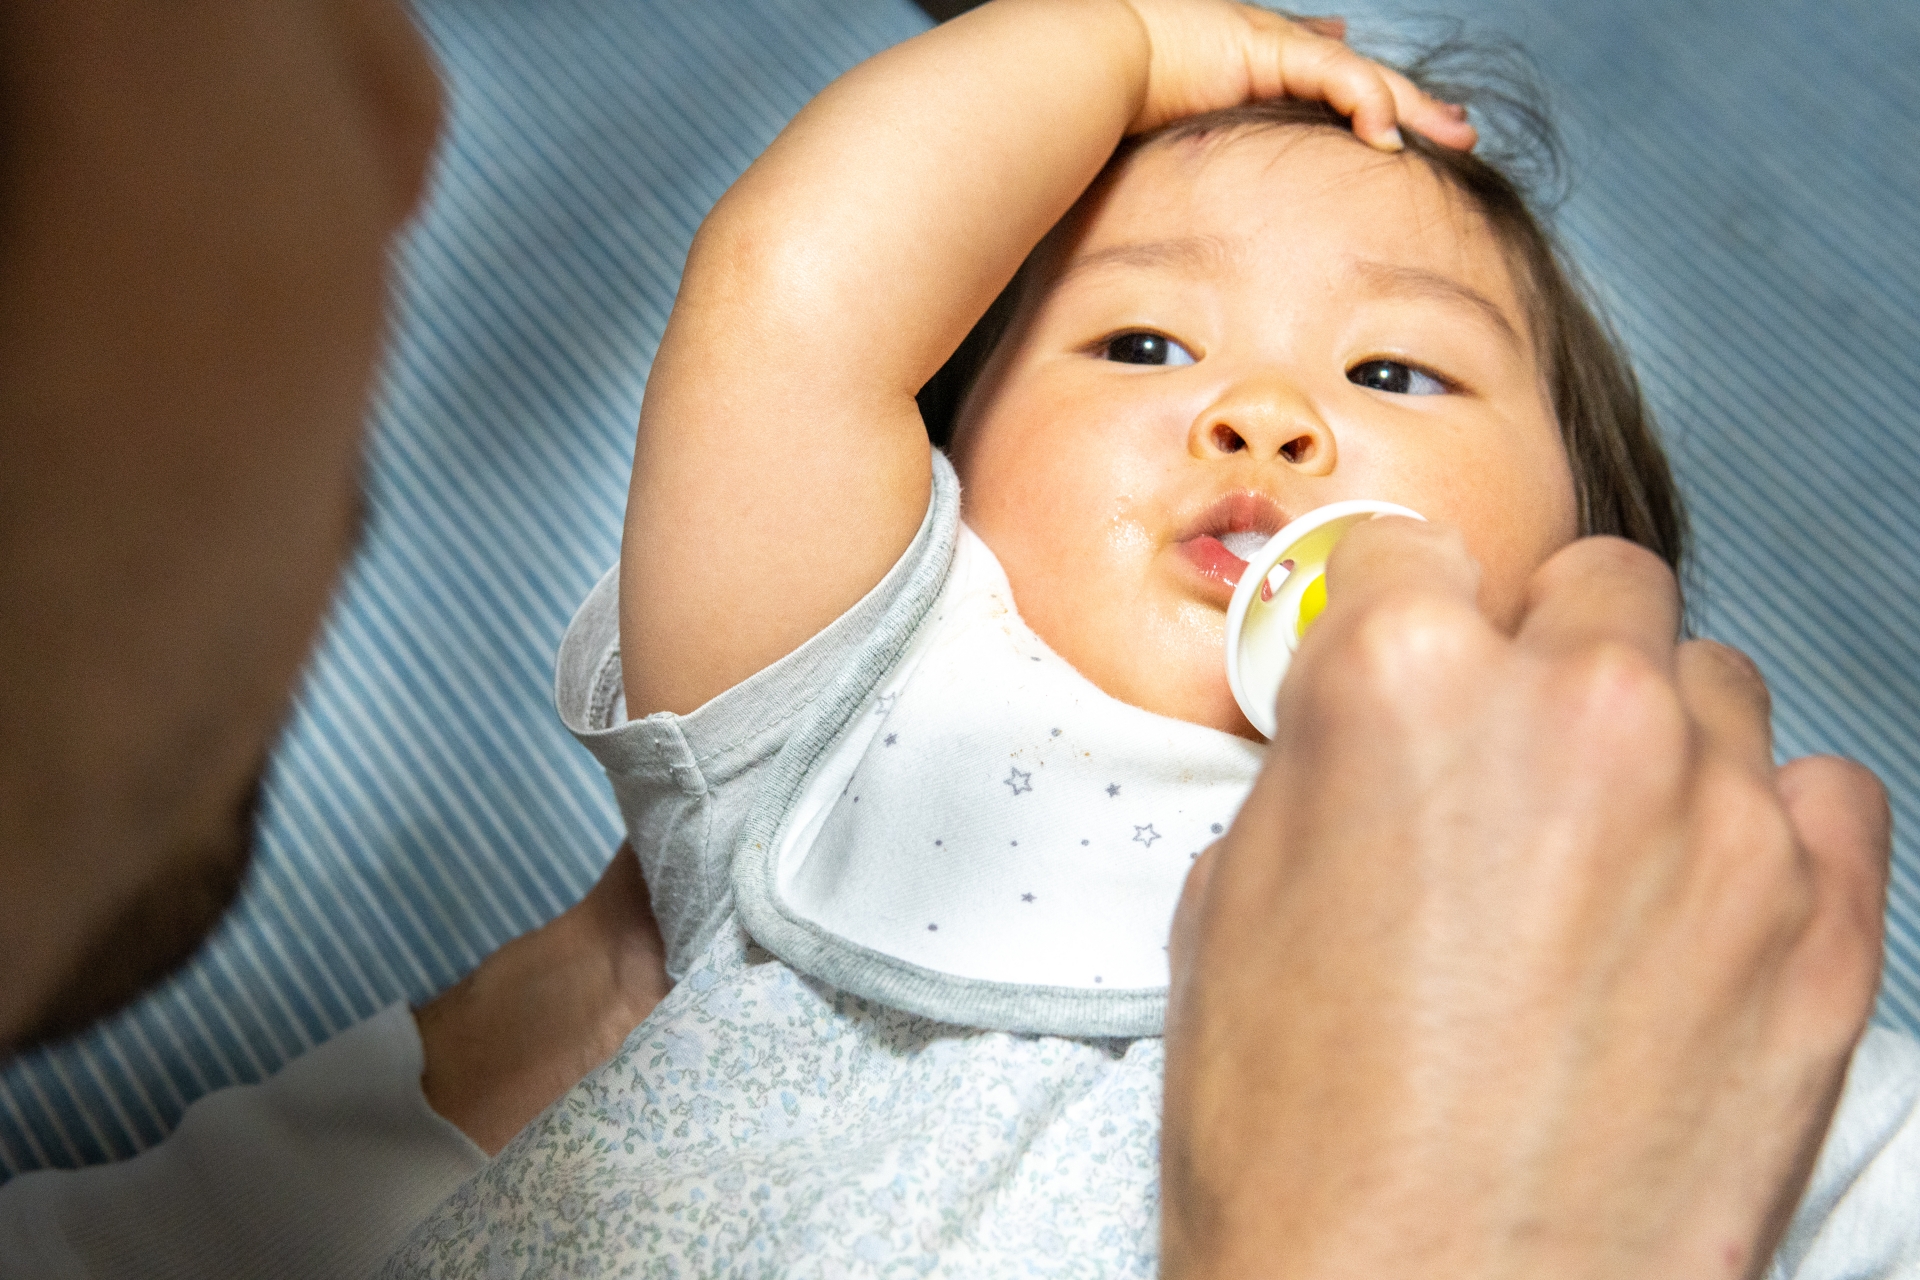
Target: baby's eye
[
  {"x": 1400, "y": 379},
  {"x": 1142, "y": 347}
]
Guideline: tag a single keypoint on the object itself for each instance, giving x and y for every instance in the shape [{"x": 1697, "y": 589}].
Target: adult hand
[
  {"x": 1522, "y": 957},
  {"x": 544, "y": 1010}
]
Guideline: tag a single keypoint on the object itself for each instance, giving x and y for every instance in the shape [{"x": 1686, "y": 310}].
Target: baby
[{"x": 917, "y": 747}]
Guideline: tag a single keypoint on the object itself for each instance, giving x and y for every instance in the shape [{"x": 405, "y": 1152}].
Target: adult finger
[
  {"x": 1601, "y": 591},
  {"x": 1725, "y": 694},
  {"x": 1393, "y": 556},
  {"x": 1839, "y": 810},
  {"x": 1185, "y": 939},
  {"x": 1840, "y": 814}
]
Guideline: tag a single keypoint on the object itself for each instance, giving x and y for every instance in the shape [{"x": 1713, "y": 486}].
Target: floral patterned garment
[
  {"x": 766, "y": 1123},
  {"x": 762, "y": 1124}
]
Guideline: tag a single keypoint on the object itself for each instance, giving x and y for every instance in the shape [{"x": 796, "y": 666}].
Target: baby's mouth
[
  {"x": 1244, "y": 543},
  {"x": 1218, "y": 562},
  {"x": 1227, "y": 534}
]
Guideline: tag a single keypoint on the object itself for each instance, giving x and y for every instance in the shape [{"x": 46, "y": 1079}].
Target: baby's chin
[
  {"x": 1225, "y": 715},
  {"x": 1206, "y": 701},
  {"x": 1189, "y": 683},
  {"x": 1214, "y": 712},
  {"x": 1172, "y": 660}
]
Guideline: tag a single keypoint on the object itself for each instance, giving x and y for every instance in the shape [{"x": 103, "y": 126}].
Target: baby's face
[{"x": 1236, "y": 332}]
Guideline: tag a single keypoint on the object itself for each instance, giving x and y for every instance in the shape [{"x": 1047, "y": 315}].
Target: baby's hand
[{"x": 1210, "y": 54}]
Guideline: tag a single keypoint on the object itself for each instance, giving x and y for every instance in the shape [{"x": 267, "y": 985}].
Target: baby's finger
[
  {"x": 1332, "y": 26},
  {"x": 1444, "y": 122},
  {"x": 1315, "y": 67},
  {"x": 1374, "y": 97}
]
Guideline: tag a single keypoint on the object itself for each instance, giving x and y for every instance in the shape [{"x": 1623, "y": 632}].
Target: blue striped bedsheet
[{"x": 1744, "y": 201}]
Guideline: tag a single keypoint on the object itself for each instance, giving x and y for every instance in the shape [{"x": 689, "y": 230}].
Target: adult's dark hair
[{"x": 1622, "y": 483}]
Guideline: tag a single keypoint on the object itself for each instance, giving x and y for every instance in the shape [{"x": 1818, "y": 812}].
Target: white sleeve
[
  {"x": 319, "y": 1171},
  {"x": 1861, "y": 1214}
]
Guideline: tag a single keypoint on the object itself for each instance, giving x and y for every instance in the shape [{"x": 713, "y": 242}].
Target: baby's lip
[
  {"x": 1201, "y": 537},
  {"x": 1243, "y": 512}
]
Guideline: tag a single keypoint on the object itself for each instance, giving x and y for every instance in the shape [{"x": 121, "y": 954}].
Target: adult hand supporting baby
[
  {"x": 544, "y": 1010},
  {"x": 1522, "y": 957}
]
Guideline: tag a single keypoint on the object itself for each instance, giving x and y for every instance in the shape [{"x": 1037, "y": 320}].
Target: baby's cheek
[
  {"x": 1509, "y": 563},
  {"x": 1518, "y": 521},
  {"x": 1503, "y": 599}
]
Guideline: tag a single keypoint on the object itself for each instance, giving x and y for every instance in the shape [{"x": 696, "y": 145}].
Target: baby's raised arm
[{"x": 782, "y": 467}]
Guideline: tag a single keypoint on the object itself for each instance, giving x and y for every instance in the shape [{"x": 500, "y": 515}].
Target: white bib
[{"x": 990, "y": 817}]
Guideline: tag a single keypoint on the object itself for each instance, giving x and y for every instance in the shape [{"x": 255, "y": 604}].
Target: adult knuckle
[
  {"x": 1760, "y": 873},
  {"x": 1614, "y": 682},
  {"x": 1606, "y": 558},
  {"x": 1406, "y": 637},
  {"x": 1611, "y": 552},
  {"x": 1830, "y": 988},
  {"x": 1862, "y": 783},
  {"x": 1732, "y": 669},
  {"x": 1733, "y": 663}
]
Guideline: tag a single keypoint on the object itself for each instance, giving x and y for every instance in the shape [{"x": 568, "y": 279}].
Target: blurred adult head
[{"x": 195, "y": 208}]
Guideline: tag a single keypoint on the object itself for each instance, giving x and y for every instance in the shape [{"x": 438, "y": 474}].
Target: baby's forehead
[
  {"x": 1224, "y": 199},
  {"x": 1246, "y": 176}
]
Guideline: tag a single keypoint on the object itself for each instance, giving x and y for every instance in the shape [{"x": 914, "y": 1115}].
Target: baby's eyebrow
[
  {"x": 1197, "y": 254},
  {"x": 1418, "y": 282}
]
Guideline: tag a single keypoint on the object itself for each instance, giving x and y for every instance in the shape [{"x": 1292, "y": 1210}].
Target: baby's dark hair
[{"x": 1621, "y": 480}]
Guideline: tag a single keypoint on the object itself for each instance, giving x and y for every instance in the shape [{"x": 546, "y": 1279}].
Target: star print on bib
[{"x": 1046, "y": 827}]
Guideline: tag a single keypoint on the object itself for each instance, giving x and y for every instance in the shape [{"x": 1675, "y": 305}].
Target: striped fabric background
[{"x": 1746, "y": 183}]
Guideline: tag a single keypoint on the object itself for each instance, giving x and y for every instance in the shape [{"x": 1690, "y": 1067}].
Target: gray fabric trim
[
  {"x": 685, "y": 784},
  {"x": 972, "y": 1002}
]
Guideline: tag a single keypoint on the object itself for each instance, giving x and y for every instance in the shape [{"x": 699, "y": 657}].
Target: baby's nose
[{"x": 1268, "y": 420}]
